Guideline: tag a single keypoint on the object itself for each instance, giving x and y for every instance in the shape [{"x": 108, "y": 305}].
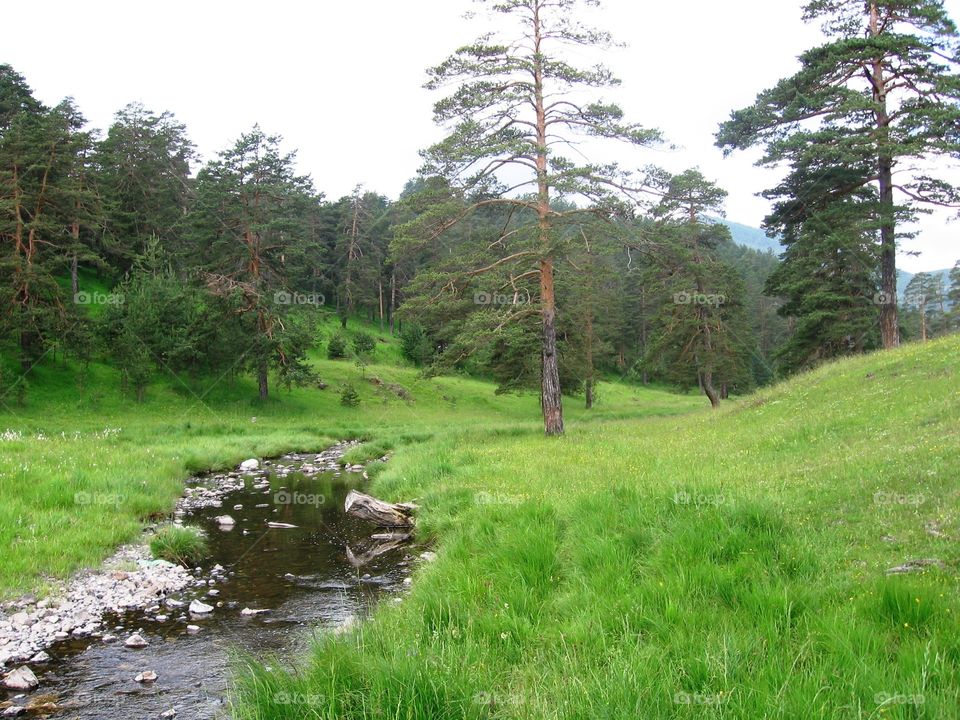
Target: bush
[
  {"x": 181, "y": 545},
  {"x": 337, "y": 347},
  {"x": 415, "y": 344},
  {"x": 349, "y": 397},
  {"x": 364, "y": 343}
]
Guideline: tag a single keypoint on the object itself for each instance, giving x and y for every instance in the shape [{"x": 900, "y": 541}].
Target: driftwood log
[{"x": 378, "y": 512}]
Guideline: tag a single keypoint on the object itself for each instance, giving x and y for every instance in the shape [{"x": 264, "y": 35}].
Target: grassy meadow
[
  {"x": 710, "y": 565},
  {"x": 83, "y": 467},
  {"x": 660, "y": 561}
]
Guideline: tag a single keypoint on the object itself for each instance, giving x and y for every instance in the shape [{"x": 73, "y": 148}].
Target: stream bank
[{"x": 290, "y": 561}]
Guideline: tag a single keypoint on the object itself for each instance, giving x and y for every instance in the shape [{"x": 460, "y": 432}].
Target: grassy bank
[
  {"x": 82, "y": 467},
  {"x": 727, "y": 565}
]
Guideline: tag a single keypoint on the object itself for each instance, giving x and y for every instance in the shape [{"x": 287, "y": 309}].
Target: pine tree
[
  {"x": 515, "y": 109},
  {"x": 144, "y": 179},
  {"x": 704, "y": 329},
  {"x": 827, "y": 277},
  {"x": 882, "y": 93},
  {"x": 249, "y": 215},
  {"x": 39, "y": 160}
]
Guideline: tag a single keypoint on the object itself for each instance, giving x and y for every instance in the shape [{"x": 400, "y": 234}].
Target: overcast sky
[{"x": 341, "y": 82}]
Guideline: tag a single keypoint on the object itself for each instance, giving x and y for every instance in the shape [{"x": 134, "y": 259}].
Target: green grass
[
  {"x": 86, "y": 451},
  {"x": 660, "y": 561},
  {"x": 181, "y": 545},
  {"x": 713, "y": 565}
]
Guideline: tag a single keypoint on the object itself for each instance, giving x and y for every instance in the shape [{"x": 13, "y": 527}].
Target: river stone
[
  {"x": 14, "y": 711},
  {"x": 19, "y": 619},
  {"x": 225, "y": 521},
  {"x": 250, "y": 464},
  {"x": 172, "y": 712},
  {"x": 193, "y": 629},
  {"x": 199, "y": 608},
  {"x": 148, "y": 676},
  {"x": 20, "y": 679},
  {"x": 40, "y": 657},
  {"x": 136, "y": 641}
]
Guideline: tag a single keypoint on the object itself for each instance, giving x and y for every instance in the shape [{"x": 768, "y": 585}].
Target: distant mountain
[
  {"x": 904, "y": 278},
  {"x": 751, "y": 237},
  {"x": 757, "y": 239}
]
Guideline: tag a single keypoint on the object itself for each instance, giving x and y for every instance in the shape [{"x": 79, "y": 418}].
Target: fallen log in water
[{"x": 378, "y": 512}]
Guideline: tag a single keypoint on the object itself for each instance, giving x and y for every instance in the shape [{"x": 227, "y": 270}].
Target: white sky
[{"x": 342, "y": 81}]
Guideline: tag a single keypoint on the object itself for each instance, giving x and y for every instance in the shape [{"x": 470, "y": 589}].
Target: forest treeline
[{"x": 119, "y": 245}]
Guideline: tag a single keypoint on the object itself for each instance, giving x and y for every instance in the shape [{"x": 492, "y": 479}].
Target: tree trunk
[
  {"x": 923, "y": 319},
  {"x": 74, "y": 277},
  {"x": 709, "y": 390},
  {"x": 889, "y": 319},
  {"x": 393, "y": 299},
  {"x": 263, "y": 379},
  {"x": 589, "y": 383},
  {"x": 380, "y": 290},
  {"x": 550, "y": 397}
]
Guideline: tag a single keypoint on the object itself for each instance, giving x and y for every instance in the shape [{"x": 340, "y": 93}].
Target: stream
[{"x": 306, "y": 579}]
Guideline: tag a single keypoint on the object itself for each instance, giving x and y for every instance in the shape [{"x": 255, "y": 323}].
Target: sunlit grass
[
  {"x": 82, "y": 451},
  {"x": 713, "y": 565}
]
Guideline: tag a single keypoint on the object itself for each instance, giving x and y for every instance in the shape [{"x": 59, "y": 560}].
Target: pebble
[
  {"x": 148, "y": 676},
  {"x": 172, "y": 712},
  {"x": 193, "y": 629},
  {"x": 136, "y": 641},
  {"x": 20, "y": 679},
  {"x": 199, "y": 608}
]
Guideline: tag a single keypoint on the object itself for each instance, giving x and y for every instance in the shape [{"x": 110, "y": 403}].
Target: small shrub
[
  {"x": 364, "y": 343},
  {"x": 337, "y": 347},
  {"x": 349, "y": 397},
  {"x": 181, "y": 545},
  {"x": 415, "y": 344}
]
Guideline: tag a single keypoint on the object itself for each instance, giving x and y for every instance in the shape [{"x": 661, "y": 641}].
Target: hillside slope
[
  {"x": 80, "y": 448},
  {"x": 734, "y": 564}
]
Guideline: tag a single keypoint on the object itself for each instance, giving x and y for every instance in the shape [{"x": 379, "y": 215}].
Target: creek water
[{"x": 309, "y": 579}]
